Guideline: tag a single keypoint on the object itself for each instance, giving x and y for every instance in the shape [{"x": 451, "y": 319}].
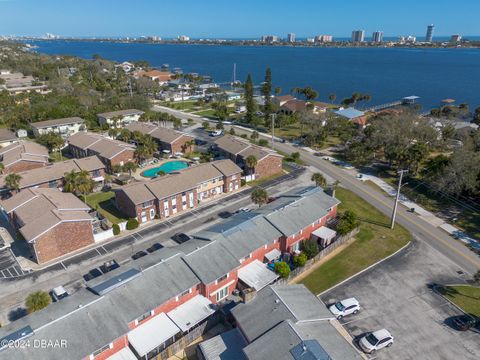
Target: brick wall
[
  {"x": 180, "y": 145},
  {"x": 23, "y": 165},
  {"x": 232, "y": 179},
  {"x": 63, "y": 239},
  {"x": 268, "y": 166},
  {"x": 117, "y": 345},
  {"x": 213, "y": 287},
  {"x": 123, "y": 157},
  {"x": 124, "y": 204}
]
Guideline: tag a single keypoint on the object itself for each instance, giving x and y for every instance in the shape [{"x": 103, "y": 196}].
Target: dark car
[
  {"x": 465, "y": 322},
  {"x": 92, "y": 274},
  {"x": 200, "y": 142},
  {"x": 139, "y": 255},
  {"x": 109, "y": 266},
  {"x": 154, "y": 247},
  {"x": 180, "y": 238}
]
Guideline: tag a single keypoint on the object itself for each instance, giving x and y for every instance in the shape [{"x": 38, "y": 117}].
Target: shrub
[
  {"x": 300, "y": 260},
  {"x": 116, "y": 229},
  {"x": 243, "y": 182},
  {"x": 37, "y": 300},
  {"x": 348, "y": 221},
  {"x": 295, "y": 156},
  {"x": 282, "y": 269},
  {"x": 263, "y": 142},
  {"x": 244, "y": 136},
  {"x": 132, "y": 224},
  {"x": 309, "y": 248}
]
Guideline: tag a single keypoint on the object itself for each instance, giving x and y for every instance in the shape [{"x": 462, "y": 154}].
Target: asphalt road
[{"x": 397, "y": 295}]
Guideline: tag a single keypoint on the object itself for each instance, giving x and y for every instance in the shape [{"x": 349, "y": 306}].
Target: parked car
[
  {"x": 180, "y": 238},
  {"x": 465, "y": 322},
  {"x": 216, "y": 133},
  {"x": 92, "y": 274},
  {"x": 243, "y": 210},
  {"x": 376, "y": 340},
  {"x": 156, "y": 246},
  {"x": 109, "y": 266},
  {"x": 345, "y": 307},
  {"x": 200, "y": 142},
  {"x": 58, "y": 293},
  {"x": 139, "y": 254}
]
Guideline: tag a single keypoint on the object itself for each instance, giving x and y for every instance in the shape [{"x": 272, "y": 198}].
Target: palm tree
[
  {"x": 2, "y": 167},
  {"x": 130, "y": 166},
  {"x": 84, "y": 183},
  {"x": 319, "y": 180},
  {"x": 251, "y": 162},
  {"x": 125, "y": 135},
  {"x": 70, "y": 181},
  {"x": 113, "y": 133},
  {"x": 332, "y": 98},
  {"x": 259, "y": 196},
  {"x": 189, "y": 145},
  {"x": 13, "y": 181}
]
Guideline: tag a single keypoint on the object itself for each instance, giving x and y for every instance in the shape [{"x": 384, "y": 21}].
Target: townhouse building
[
  {"x": 52, "y": 223},
  {"x": 64, "y": 127},
  {"x": 23, "y": 155},
  {"x": 168, "y": 140},
  {"x": 110, "y": 152},
  {"x": 119, "y": 118},
  {"x": 238, "y": 150},
  {"x": 138, "y": 314},
  {"x": 53, "y": 175},
  {"x": 175, "y": 193}
]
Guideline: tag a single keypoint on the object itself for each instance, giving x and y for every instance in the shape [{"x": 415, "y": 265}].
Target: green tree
[
  {"x": 277, "y": 91},
  {"x": 219, "y": 125},
  {"x": 255, "y": 135},
  {"x": 332, "y": 97},
  {"x": 51, "y": 140},
  {"x": 251, "y": 162},
  {"x": 309, "y": 248},
  {"x": 12, "y": 181},
  {"x": 295, "y": 156},
  {"x": 206, "y": 125},
  {"x": 132, "y": 224},
  {"x": 130, "y": 167},
  {"x": 282, "y": 269},
  {"x": 347, "y": 222},
  {"x": 70, "y": 181},
  {"x": 37, "y": 301},
  {"x": 300, "y": 260},
  {"x": 2, "y": 167},
  {"x": 232, "y": 131},
  {"x": 249, "y": 102},
  {"x": 267, "y": 94},
  {"x": 319, "y": 179},
  {"x": 259, "y": 196},
  {"x": 84, "y": 183}
]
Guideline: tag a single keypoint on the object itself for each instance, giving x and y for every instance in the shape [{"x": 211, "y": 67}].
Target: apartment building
[
  {"x": 175, "y": 193},
  {"x": 64, "y": 127},
  {"x": 23, "y": 155},
  {"x": 119, "y": 118},
  {"x": 110, "y": 152}
]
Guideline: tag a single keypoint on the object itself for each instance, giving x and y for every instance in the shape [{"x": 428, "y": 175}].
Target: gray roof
[
  {"x": 349, "y": 113},
  {"x": 225, "y": 346},
  {"x": 298, "y": 209},
  {"x": 88, "y": 322},
  {"x": 111, "y": 114},
  {"x": 274, "y": 304},
  {"x": 7, "y": 135},
  {"x": 57, "y": 122},
  {"x": 211, "y": 262}
]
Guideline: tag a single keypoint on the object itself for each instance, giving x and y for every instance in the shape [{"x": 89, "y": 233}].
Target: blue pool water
[{"x": 166, "y": 168}]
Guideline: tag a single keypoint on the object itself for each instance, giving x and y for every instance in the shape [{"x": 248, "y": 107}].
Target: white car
[
  {"x": 345, "y": 307},
  {"x": 59, "y": 293},
  {"x": 377, "y": 340}
]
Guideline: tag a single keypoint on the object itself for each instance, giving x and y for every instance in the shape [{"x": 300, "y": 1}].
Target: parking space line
[
  {"x": 3, "y": 274},
  {"x": 9, "y": 272},
  {"x": 61, "y": 262},
  {"x": 356, "y": 319},
  {"x": 18, "y": 274},
  {"x": 106, "y": 251},
  {"x": 98, "y": 251}
]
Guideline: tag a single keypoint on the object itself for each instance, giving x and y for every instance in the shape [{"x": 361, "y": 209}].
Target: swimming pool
[{"x": 166, "y": 168}]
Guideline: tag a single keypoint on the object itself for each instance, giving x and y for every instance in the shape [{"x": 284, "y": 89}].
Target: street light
[
  {"x": 394, "y": 212},
  {"x": 273, "y": 129}
]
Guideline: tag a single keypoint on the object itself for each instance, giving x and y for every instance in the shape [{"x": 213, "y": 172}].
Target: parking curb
[{"x": 366, "y": 269}]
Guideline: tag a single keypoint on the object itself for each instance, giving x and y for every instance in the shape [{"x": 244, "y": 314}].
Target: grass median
[
  {"x": 374, "y": 242},
  {"x": 464, "y": 296},
  {"x": 103, "y": 203}
]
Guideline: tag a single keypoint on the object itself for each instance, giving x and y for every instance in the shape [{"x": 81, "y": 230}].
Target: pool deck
[{"x": 137, "y": 174}]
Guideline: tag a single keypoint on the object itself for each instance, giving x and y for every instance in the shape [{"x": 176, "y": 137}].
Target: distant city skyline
[{"x": 248, "y": 19}]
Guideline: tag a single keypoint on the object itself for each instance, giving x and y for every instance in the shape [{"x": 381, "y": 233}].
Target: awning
[
  {"x": 152, "y": 334},
  {"x": 98, "y": 178},
  {"x": 256, "y": 275},
  {"x": 124, "y": 354},
  {"x": 273, "y": 255},
  {"x": 192, "y": 312},
  {"x": 324, "y": 233}
]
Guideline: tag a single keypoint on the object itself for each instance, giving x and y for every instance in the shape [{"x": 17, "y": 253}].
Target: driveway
[{"x": 396, "y": 295}]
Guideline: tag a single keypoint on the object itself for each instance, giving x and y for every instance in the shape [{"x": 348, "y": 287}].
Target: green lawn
[
  {"x": 464, "y": 296},
  {"x": 103, "y": 203},
  {"x": 374, "y": 242}
]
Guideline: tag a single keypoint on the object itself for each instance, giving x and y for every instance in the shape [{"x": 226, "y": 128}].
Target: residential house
[
  {"x": 64, "y": 127},
  {"x": 162, "y": 77},
  {"x": 53, "y": 223},
  {"x": 289, "y": 322},
  {"x": 52, "y": 175},
  {"x": 174, "y": 193},
  {"x": 356, "y": 116},
  {"x": 292, "y": 106},
  {"x": 282, "y": 100},
  {"x": 17, "y": 83},
  {"x": 125, "y": 66},
  {"x": 110, "y": 152},
  {"x": 167, "y": 139},
  {"x": 236, "y": 149},
  {"x": 7, "y": 137},
  {"x": 23, "y": 155},
  {"x": 119, "y": 118}
]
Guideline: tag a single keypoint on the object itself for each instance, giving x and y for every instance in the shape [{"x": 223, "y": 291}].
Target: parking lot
[{"x": 396, "y": 295}]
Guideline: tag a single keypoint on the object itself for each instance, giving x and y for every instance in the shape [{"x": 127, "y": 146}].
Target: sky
[{"x": 236, "y": 19}]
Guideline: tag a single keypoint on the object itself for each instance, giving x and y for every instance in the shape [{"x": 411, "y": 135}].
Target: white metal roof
[
  {"x": 152, "y": 333},
  {"x": 124, "y": 354},
  {"x": 192, "y": 312},
  {"x": 324, "y": 233},
  {"x": 272, "y": 255},
  {"x": 256, "y": 275}
]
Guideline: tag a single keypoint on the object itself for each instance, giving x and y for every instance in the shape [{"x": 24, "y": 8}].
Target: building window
[
  {"x": 96, "y": 173},
  {"x": 147, "y": 204},
  {"x": 101, "y": 350},
  {"x": 296, "y": 247},
  {"x": 143, "y": 317},
  {"x": 52, "y": 184},
  {"x": 247, "y": 257},
  {"x": 220, "y": 279},
  {"x": 186, "y": 292},
  {"x": 152, "y": 213},
  {"x": 222, "y": 294}
]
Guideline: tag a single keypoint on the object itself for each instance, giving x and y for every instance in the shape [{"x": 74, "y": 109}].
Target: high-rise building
[
  {"x": 291, "y": 38},
  {"x": 269, "y": 38},
  {"x": 323, "y": 38},
  {"x": 430, "y": 29},
  {"x": 456, "y": 38},
  {"x": 358, "y": 35},
  {"x": 377, "y": 37}
]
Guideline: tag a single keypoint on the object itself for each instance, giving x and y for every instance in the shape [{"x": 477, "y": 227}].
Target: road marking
[
  {"x": 9, "y": 272},
  {"x": 98, "y": 251},
  {"x": 106, "y": 251},
  {"x": 356, "y": 319},
  {"x": 61, "y": 262},
  {"x": 18, "y": 274},
  {"x": 3, "y": 274}
]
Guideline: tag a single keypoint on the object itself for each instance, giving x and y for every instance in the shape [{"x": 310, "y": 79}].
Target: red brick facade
[
  {"x": 62, "y": 239},
  {"x": 120, "y": 159},
  {"x": 179, "y": 145}
]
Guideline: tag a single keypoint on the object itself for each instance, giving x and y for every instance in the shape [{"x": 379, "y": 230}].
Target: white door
[{"x": 166, "y": 208}]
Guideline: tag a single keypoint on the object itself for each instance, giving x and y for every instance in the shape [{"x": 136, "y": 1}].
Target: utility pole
[
  {"x": 273, "y": 129},
  {"x": 394, "y": 213}
]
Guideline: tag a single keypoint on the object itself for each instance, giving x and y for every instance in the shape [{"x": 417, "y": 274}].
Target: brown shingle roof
[
  {"x": 227, "y": 167},
  {"x": 294, "y": 105},
  {"x": 237, "y": 146},
  {"x": 160, "y": 133},
  {"x": 57, "y": 122},
  {"x": 7, "y": 135},
  {"x": 24, "y": 150},
  {"x": 103, "y": 146}
]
